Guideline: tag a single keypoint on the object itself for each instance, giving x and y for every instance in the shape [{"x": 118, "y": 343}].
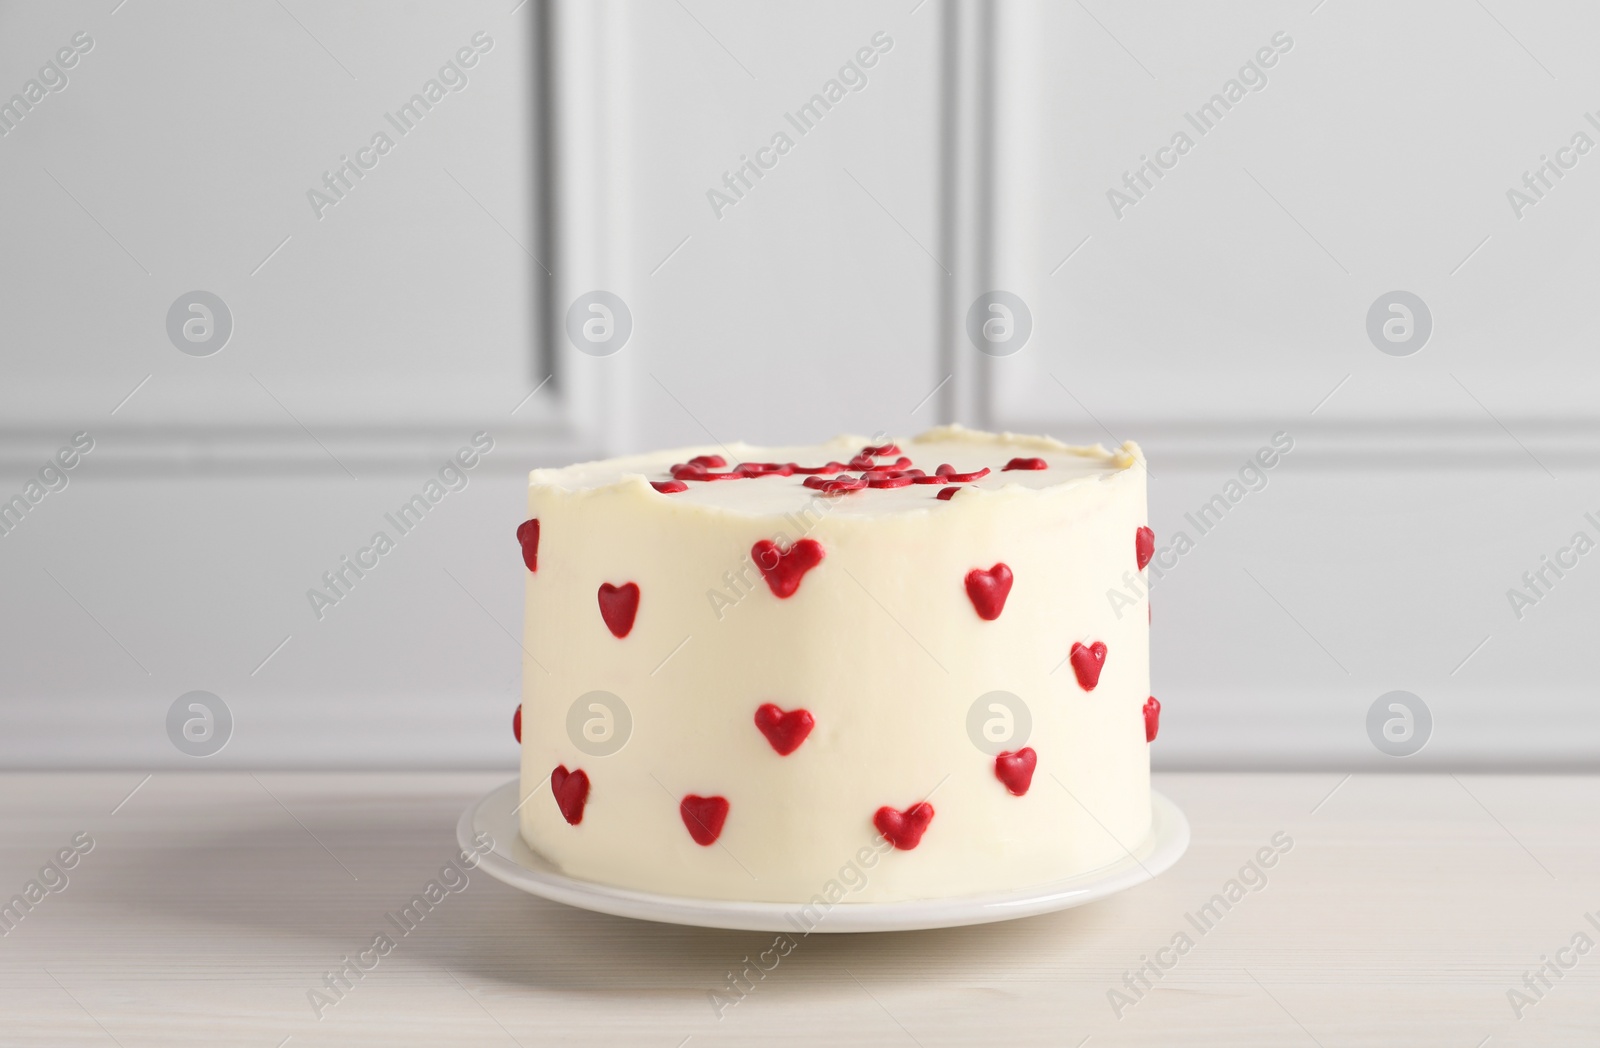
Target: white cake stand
[{"x": 514, "y": 863}]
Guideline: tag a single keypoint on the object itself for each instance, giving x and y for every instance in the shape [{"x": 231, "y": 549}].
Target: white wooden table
[{"x": 211, "y": 904}]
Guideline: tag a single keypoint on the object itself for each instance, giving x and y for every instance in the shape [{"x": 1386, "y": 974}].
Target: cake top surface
[{"x": 863, "y": 477}]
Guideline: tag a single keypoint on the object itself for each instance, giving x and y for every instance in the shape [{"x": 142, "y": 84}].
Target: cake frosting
[{"x": 749, "y": 669}]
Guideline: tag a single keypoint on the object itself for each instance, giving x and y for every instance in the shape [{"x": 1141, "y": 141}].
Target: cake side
[{"x": 732, "y": 732}]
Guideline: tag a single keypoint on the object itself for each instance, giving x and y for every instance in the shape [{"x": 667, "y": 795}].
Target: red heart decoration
[
  {"x": 572, "y": 792},
  {"x": 904, "y": 829},
  {"x": 528, "y": 538},
  {"x": 618, "y": 606},
  {"x": 783, "y": 568},
  {"x": 516, "y": 722},
  {"x": 866, "y": 460},
  {"x": 1088, "y": 662},
  {"x": 835, "y": 487},
  {"x": 786, "y": 731},
  {"x": 1016, "y": 769},
  {"x": 948, "y": 472},
  {"x": 703, "y": 817},
  {"x": 1144, "y": 546},
  {"x": 762, "y": 469},
  {"x": 1025, "y": 463},
  {"x": 1152, "y": 718},
  {"x": 830, "y": 469},
  {"x": 988, "y": 589}
]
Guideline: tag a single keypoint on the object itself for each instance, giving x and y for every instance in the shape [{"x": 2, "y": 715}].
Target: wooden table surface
[{"x": 209, "y": 906}]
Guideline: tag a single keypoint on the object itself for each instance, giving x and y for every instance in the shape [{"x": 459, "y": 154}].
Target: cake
[{"x": 906, "y": 670}]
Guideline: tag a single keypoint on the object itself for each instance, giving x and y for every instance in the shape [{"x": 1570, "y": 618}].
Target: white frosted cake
[{"x": 750, "y": 671}]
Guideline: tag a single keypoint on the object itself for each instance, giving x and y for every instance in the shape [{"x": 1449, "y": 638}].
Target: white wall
[{"x": 1222, "y": 308}]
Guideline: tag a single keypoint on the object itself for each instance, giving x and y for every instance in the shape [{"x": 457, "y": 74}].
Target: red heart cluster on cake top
[{"x": 834, "y": 478}]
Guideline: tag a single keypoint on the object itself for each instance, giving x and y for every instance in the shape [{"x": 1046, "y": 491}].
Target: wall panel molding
[{"x": 1386, "y": 445}]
